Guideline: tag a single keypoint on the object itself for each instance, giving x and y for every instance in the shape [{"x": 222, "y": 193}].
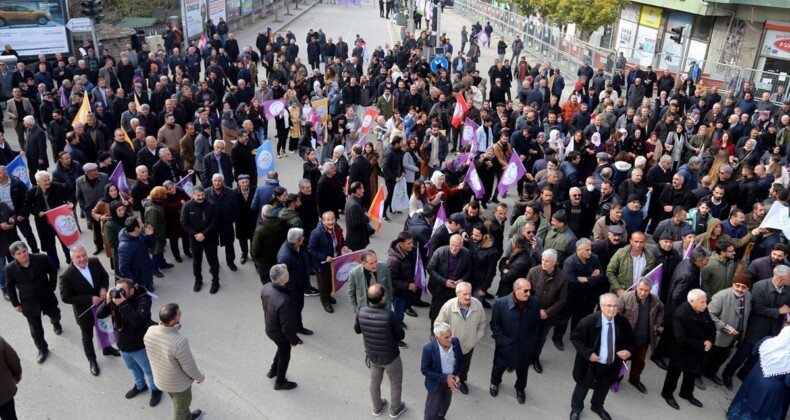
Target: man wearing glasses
[{"x": 603, "y": 341}]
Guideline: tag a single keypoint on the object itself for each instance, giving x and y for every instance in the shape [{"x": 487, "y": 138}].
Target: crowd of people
[{"x": 621, "y": 176}]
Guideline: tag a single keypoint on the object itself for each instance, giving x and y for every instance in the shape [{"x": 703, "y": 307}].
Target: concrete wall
[{"x": 737, "y": 45}]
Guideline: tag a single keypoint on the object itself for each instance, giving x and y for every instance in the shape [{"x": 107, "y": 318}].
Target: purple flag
[
  {"x": 105, "y": 334},
  {"x": 512, "y": 173},
  {"x": 118, "y": 178},
  {"x": 441, "y": 217},
  {"x": 342, "y": 266},
  {"x": 472, "y": 180},
  {"x": 186, "y": 185},
  {"x": 690, "y": 249},
  {"x": 64, "y": 100},
  {"x": 655, "y": 277},
  {"x": 419, "y": 273},
  {"x": 469, "y": 134},
  {"x": 274, "y": 108}
]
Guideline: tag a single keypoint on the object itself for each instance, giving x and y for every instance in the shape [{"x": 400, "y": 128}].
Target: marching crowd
[{"x": 620, "y": 176}]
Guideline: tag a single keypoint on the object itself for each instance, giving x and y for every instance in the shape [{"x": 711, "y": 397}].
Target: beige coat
[
  {"x": 470, "y": 330},
  {"x": 171, "y": 359},
  {"x": 723, "y": 310}
]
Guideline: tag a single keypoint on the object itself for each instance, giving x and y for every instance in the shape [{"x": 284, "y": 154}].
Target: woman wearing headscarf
[
  {"x": 437, "y": 188},
  {"x": 112, "y": 228},
  {"x": 230, "y": 128},
  {"x": 311, "y": 168},
  {"x": 295, "y": 121},
  {"x": 155, "y": 216},
  {"x": 341, "y": 164},
  {"x": 594, "y": 146},
  {"x": 176, "y": 197},
  {"x": 308, "y": 139},
  {"x": 765, "y": 394},
  {"x": 101, "y": 213}
]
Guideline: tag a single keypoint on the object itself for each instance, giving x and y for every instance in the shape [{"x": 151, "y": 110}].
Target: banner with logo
[
  {"x": 62, "y": 220},
  {"x": 274, "y": 108},
  {"x": 264, "y": 158},
  {"x": 367, "y": 121},
  {"x": 473, "y": 181},
  {"x": 18, "y": 168},
  {"x": 514, "y": 171},
  {"x": 105, "y": 334},
  {"x": 342, "y": 266}
]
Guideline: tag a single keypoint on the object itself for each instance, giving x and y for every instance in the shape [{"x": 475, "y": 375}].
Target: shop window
[{"x": 702, "y": 27}]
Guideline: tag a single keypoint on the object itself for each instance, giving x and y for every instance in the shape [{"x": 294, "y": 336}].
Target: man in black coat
[
  {"x": 217, "y": 162},
  {"x": 329, "y": 192},
  {"x": 226, "y": 202},
  {"x": 45, "y": 196},
  {"x": 392, "y": 170},
  {"x": 266, "y": 241},
  {"x": 514, "y": 323},
  {"x": 31, "y": 281},
  {"x": 166, "y": 169},
  {"x": 243, "y": 160},
  {"x": 281, "y": 322},
  {"x": 694, "y": 333},
  {"x": 83, "y": 285},
  {"x": 359, "y": 171},
  {"x": 448, "y": 266},
  {"x": 585, "y": 274},
  {"x": 515, "y": 266},
  {"x": 293, "y": 254},
  {"x": 199, "y": 221},
  {"x": 357, "y": 228},
  {"x": 603, "y": 342},
  {"x": 35, "y": 147}
]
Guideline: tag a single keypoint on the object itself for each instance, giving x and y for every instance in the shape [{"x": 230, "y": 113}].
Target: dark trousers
[
  {"x": 27, "y": 232},
  {"x": 671, "y": 382},
  {"x": 96, "y": 228},
  {"x": 198, "y": 248},
  {"x": 49, "y": 244},
  {"x": 467, "y": 363},
  {"x": 521, "y": 376},
  {"x": 230, "y": 253},
  {"x": 37, "y": 328},
  {"x": 174, "y": 245},
  {"x": 664, "y": 343},
  {"x": 8, "y": 411},
  {"x": 292, "y": 142},
  {"x": 281, "y": 360},
  {"x": 263, "y": 273},
  {"x": 543, "y": 333},
  {"x": 638, "y": 361},
  {"x": 390, "y": 189},
  {"x": 494, "y": 190},
  {"x": 600, "y": 390},
  {"x": 438, "y": 301},
  {"x": 438, "y": 402},
  {"x": 298, "y": 300},
  {"x": 324, "y": 286},
  {"x": 714, "y": 359},
  {"x": 576, "y": 314},
  {"x": 244, "y": 244},
  {"x": 282, "y": 140},
  {"x": 743, "y": 354},
  {"x": 87, "y": 341}
]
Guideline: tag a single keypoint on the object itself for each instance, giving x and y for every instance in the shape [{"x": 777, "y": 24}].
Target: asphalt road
[{"x": 227, "y": 337}]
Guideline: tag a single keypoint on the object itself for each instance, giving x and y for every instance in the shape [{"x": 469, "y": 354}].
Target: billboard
[
  {"x": 216, "y": 10},
  {"x": 195, "y": 12},
  {"x": 34, "y": 27}
]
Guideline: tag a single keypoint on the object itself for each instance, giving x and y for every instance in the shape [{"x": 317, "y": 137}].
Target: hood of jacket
[
  {"x": 395, "y": 251},
  {"x": 622, "y": 166},
  {"x": 712, "y": 223}
]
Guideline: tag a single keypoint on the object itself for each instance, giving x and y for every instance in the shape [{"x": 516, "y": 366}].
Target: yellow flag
[
  {"x": 136, "y": 102},
  {"x": 321, "y": 108},
  {"x": 127, "y": 139},
  {"x": 85, "y": 108}
]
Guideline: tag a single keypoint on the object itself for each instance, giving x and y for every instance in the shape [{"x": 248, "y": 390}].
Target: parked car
[{"x": 22, "y": 14}]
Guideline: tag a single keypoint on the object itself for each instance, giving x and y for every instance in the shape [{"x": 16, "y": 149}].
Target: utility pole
[{"x": 92, "y": 9}]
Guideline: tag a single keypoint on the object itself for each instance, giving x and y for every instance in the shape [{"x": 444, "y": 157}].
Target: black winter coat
[
  {"x": 227, "y": 205},
  {"x": 586, "y": 338},
  {"x": 691, "y": 330},
  {"x": 280, "y": 314},
  {"x": 200, "y": 218},
  {"x": 514, "y": 331},
  {"x": 401, "y": 268},
  {"x": 380, "y": 331},
  {"x": 130, "y": 319},
  {"x": 329, "y": 196},
  {"x": 685, "y": 278},
  {"x": 357, "y": 236},
  {"x": 34, "y": 288}
]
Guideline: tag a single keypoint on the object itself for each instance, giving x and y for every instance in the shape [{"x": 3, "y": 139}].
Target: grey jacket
[
  {"x": 723, "y": 310},
  {"x": 88, "y": 195}
]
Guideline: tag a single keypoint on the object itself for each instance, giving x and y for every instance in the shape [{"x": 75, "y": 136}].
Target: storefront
[{"x": 774, "y": 59}]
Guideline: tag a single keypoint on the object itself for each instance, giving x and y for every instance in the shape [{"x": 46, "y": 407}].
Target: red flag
[
  {"x": 62, "y": 220},
  {"x": 367, "y": 121},
  {"x": 376, "y": 211},
  {"x": 460, "y": 110}
]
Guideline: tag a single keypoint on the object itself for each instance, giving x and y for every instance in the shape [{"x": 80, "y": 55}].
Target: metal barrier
[{"x": 766, "y": 81}]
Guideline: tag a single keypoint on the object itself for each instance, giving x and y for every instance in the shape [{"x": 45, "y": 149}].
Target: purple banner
[
  {"x": 473, "y": 181},
  {"x": 514, "y": 171},
  {"x": 105, "y": 334},
  {"x": 118, "y": 178},
  {"x": 419, "y": 274}
]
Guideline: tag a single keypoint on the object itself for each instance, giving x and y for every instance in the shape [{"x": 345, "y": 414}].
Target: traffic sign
[
  {"x": 439, "y": 61},
  {"x": 81, "y": 24}
]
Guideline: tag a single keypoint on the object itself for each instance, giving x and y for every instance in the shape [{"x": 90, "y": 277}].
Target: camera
[{"x": 117, "y": 293}]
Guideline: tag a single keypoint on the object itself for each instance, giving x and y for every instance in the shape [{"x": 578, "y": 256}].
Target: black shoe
[
  {"x": 463, "y": 388},
  {"x": 286, "y": 385},
  {"x": 404, "y": 326},
  {"x": 111, "y": 351},
  {"x": 603, "y": 414},
  {"x": 727, "y": 380},
  {"x": 271, "y": 374},
  {"x": 410, "y": 312},
  {"x": 57, "y": 328},
  {"x": 94, "y": 368},
  {"x": 395, "y": 412},
  {"x": 402, "y": 344},
  {"x": 188, "y": 254},
  {"x": 243, "y": 260},
  {"x": 493, "y": 390},
  {"x": 699, "y": 383},
  {"x": 233, "y": 267},
  {"x": 178, "y": 259},
  {"x": 198, "y": 285},
  {"x": 575, "y": 415},
  {"x": 386, "y": 219},
  {"x": 397, "y": 212},
  {"x": 156, "y": 397},
  {"x": 537, "y": 366},
  {"x": 421, "y": 304},
  {"x": 521, "y": 396},
  {"x": 377, "y": 411},
  {"x": 659, "y": 362},
  {"x": 167, "y": 265},
  {"x": 134, "y": 391},
  {"x": 715, "y": 379},
  {"x": 453, "y": 150},
  {"x": 332, "y": 300},
  {"x": 98, "y": 251},
  {"x": 214, "y": 287},
  {"x": 495, "y": 200},
  {"x": 197, "y": 414},
  {"x": 558, "y": 344},
  {"x": 42, "y": 356},
  {"x": 311, "y": 292},
  {"x": 305, "y": 331},
  {"x": 695, "y": 402},
  {"x": 639, "y": 386},
  {"x": 158, "y": 274},
  {"x": 328, "y": 307},
  {"x": 299, "y": 341},
  {"x": 672, "y": 403}
]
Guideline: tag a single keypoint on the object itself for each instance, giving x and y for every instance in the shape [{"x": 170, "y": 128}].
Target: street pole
[
  {"x": 95, "y": 39},
  {"x": 410, "y": 17},
  {"x": 684, "y": 51}
]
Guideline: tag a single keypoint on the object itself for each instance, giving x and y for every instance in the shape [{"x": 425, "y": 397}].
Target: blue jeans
[
  {"x": 137, "y": 362},
  {"x": 399, "y": 305}
]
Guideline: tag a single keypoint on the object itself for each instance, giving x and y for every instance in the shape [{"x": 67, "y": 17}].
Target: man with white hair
[
  {"x": 35, "y": 146},
  {"x": 467, "y": 319},
  {"x": 550, "y": 285},
  {"x": 441, "y": 365},
  {"x": 280, "y": 317},
  {"x": 45, "y": 196},
  {"x": 694, "y": 333},
  {"x": 217, "y": 162},
  {"x": 295, "y": 257}
]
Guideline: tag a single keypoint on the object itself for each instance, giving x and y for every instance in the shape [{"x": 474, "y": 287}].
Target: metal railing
[{"x": 550, "y": 43}]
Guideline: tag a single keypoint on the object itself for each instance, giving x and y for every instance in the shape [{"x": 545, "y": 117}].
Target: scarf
[{"x": 775, "y": 354}]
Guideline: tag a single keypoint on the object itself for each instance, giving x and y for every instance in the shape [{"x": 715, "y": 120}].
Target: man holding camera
[{"x": 130, "y": 308}]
